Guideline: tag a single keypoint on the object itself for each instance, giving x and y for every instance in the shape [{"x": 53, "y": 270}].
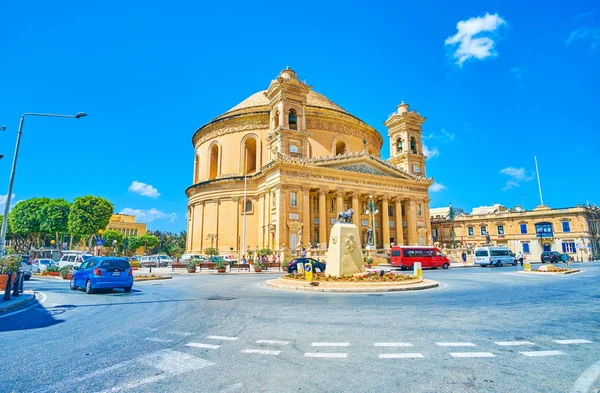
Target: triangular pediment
[{"x": 365, "y": 164}]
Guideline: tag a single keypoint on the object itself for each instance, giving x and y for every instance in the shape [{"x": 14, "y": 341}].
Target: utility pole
[{"x": 538, "y": 179}]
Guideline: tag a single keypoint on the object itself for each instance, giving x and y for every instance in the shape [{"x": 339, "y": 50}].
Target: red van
[{"x": 430, "y": 257}]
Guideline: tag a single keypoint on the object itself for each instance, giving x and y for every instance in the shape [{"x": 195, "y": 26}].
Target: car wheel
[
  {"x": 88, "y": 287},
  {"x": 445, "y": 265},
  {"x": 26, "y": 278},
  {"x": 483, "y": 265},
  {"x": 127, "y": 289},
  {"x": 499, "y": 264},
  {"x": 72, "y": 284},
  {"x": 515, "y": 263}
]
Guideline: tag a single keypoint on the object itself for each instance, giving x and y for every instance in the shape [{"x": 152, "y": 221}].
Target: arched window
[
  {"x": 292, "y": 120},
  {"x": 248, "y": 206},
  {"x": 196, "y": 168},
  {"x": 276, "y": 120},
  {"x": 213, "y": 171},
  {"x": 399, "y": 145},
  {"x": 340, "y": 148},
  {"x": 309, "y": 150},
  {"x": 413, "y": 145},
  {"x": 249, "y": 163}
]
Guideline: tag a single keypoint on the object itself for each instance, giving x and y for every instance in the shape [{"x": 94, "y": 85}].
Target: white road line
[
  {"x": 513, "y": 343},
  {"x": 455, "y": 344},
  {"x": 392, "y": 345},
  {"x": 587, "y": 379},
  {"x": 159, "y": 340},
  {"x": 330, "y": 344},
  {"x": 261, "y": 351},
  {"x": 135, "y": 384},
  {"x": 201, "y": 345},
  {"x": 222, "y": 338},
  {"x": 542, "y": 353},
  {"x": 472, "y": 354},
  {"x": 272, "y": 342},
  {"x": 325, "y": 355},
  {"x": 565, "y": 342},
  {"x": 181, "y": 333},
  {"x": 400, "y": 356},
  {"x": 174, "y": 362}
]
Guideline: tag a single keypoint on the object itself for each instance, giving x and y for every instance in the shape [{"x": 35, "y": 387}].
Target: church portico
[{"x": 299, "y": 178}]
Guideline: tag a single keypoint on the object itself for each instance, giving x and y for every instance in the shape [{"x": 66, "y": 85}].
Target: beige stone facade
[
  {"x": 573, "y": 230},
  {"x": 303, "y": 159},
  {"x": 126, "y": 225}
]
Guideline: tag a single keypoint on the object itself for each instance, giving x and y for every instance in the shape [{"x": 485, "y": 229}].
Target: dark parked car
[
  {"x": 293, "y": 266},
  {"x": 550, "y": 256},
  {"x": 103, "y": 273}
]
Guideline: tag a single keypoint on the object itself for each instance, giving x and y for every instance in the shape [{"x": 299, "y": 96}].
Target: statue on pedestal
[{"x": 346, "y": 217}]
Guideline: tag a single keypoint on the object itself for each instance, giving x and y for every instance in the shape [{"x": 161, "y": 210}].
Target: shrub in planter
[
  {"x": 135, "y": 265},
  {"x": 52, "y": 271},
  {"x": 65, "y": 271},
  {"x": 191, "y": 267},
  {"x": 258, "y": 265},
  {"x": 221, "y": 266},
  {"x": 368, "y": 261}
]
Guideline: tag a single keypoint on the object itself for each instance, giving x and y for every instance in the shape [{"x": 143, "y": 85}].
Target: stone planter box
[
  {"x": 3, "y": 281},
  {"x": 55, "y": 274}
]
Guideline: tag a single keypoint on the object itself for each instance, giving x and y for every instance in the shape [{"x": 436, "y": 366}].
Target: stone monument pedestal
[{"x": 344, "y": 255}]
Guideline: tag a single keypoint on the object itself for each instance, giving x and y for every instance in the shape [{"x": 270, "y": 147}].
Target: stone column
[
  {"x": 385, "y": 222},
  {"x": 190, "y": 230},
  {"x": 267, "y": 220},
  {"x": 399, "y": 228},
  {"x": 305, "y": 216},
  {"x": 427, "y": 221},
  {"x": 322, "y": 219},
  {"x": 339, "y": 201},
  {"x": 357, "y": 212},
  {"x": 412, "y": 223},
  {"x": 283, "y": 218},
  {"x": 261, "y": 219}
]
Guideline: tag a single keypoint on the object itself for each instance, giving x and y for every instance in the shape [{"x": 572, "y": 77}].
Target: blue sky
[{"x": 150, "y": 73}]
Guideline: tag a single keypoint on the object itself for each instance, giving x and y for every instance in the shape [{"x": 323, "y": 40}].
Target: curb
[
  {"x": 24, "y": 298},
  {"x": 535, "y": 273},
  {"x": 426, "y": 284}
]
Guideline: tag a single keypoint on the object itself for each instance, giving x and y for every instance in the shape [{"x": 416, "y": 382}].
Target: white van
[
  {"x": 73, "y": 258},
  {"x": 185, "y": 258},
  {"x": 494, "y": 256},
  {"x": 155, "y": 260}
]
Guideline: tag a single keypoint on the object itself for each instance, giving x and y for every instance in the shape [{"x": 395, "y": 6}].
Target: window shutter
[{"x": 564, "y": 247}]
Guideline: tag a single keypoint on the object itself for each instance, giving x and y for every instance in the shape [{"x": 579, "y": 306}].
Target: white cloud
[
  {"x": 448, "y": 135},
  {"x": 583, "y": 15},
  {"x": 470, "y": 46},
  {"x": 586, "y": 33},
  {"x": 143, "y": 189},
  {"x": 517, "y": 72},
  {"x": 3, "y": 202},
  {"x": 148, "y": 215},
  {"x": 516, "y": 175},
  {"x": 430, "y": 153},
  {"x": 435, "y": 187},
  {"x": 444, "y": 137}
]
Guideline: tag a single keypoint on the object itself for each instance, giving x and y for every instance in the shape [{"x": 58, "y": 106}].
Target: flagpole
[
  {"x": 538, "y": 179},
  {"x": 245, "y": 190}
]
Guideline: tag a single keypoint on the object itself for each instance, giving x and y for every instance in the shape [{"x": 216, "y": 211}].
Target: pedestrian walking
[
  {"x": 244, "y": 260},
  {"x": 520, "y": 258},
  {"x": 464, "y": 257}
]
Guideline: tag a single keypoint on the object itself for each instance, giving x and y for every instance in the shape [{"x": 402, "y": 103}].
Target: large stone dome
[{"x": 259, "y": 101}]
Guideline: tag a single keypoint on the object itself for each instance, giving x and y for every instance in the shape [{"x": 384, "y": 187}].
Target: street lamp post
[
  {"x": 114, "y": 242},
  {"x": 451, "y": 216},
  {"x": 212, "y": 237},
  {"x": 372, "y": 212},
  {"x": 14, "y": 167}
]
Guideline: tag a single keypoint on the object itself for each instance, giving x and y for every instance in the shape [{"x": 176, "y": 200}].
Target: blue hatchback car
[{"x": 103, "y": 273}]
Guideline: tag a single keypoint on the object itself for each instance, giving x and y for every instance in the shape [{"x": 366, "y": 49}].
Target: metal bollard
[
  {"x": 8, "y": 285},
  {"x": 21, "y": 283},
  {"x": 16, "y": 284},
  {"x": 150, "y": 266}
]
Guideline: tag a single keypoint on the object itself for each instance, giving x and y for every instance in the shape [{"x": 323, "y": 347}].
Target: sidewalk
[{"x": 16, "y": 302}]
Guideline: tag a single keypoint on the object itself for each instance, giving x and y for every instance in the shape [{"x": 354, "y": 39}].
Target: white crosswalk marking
[
  {"x": 400, "y": 356},
  {"x": 159, "y": 340},
  {"x": 261, "y": 351},
  {"x": 330, "y": 344},
  {"x": 392, "y": 345},
  {"x": 472, "y": 354},
  {"x": 565, "y": 342},
  {"x": 325, "y": 355},
  {"x": 201, "y": 345},
  {"x": 542, "y": 353},
  {"x": 135, "y": 384},
  {"x": 181, "y": 333},
  {"x": 272, "y": 342},
  {"x": 223, "y": 338},
  {"x": 455, "y": 344},
  {"x": 175, "y": 362},
  {"x": 513, "y": 343}
]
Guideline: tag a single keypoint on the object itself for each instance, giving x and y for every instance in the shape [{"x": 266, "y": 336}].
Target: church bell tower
[
  {"x": 287, "y": 123},
  {"x": 406, "y": 146}
]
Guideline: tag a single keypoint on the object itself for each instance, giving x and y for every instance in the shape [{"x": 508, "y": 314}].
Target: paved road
[{"x": 483, "y": 330}]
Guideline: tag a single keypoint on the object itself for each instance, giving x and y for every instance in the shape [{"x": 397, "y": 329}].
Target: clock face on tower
[{"x": 416, "y": 169}]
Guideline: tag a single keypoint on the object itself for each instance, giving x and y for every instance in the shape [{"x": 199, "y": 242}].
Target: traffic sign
[
  {"x": 99, "y": 242},
  {"x": 308, "y": 271}
]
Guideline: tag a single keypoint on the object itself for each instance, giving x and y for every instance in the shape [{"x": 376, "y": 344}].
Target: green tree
[
  {"x": 149, "y": 242},
  {"x": 210, "y": 251},
  {"x": 88, "y": 215},
  {"x": 111, "y": 235},
  {"x": 54, "y": 216},
  {"x": 24, "y": 220}
]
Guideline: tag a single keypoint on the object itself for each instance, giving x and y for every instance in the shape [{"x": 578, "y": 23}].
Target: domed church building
[{"x": 300, "y": 159}]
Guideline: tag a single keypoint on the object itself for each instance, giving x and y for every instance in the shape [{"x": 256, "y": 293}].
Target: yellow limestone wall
[{"x": 344, "y": 255}]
